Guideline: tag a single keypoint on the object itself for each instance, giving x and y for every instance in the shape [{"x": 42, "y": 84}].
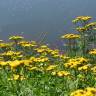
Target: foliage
[{"x": 27, "y": 68}]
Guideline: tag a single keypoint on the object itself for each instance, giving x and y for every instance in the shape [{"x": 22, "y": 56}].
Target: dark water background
[{"x": 32, "y": 17}]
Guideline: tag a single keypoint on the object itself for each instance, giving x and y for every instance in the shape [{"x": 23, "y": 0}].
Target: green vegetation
[{"x": 30, "y": 69}]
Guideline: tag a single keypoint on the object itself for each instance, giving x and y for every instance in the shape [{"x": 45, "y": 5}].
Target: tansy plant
[{"x": 86, "y": 37}]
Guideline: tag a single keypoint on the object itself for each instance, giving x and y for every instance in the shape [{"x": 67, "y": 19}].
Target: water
[{"x": 32, "y": 17}]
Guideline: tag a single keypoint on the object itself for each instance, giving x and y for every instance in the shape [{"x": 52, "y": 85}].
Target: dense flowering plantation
[{"x": 30, "y": 69}]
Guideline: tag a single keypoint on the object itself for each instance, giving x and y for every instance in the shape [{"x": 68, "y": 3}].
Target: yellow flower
[
  {"x": 27, "y": 44},
  {"x": 39, "y": 59},
  {"x": 81, "y": 29},
  {"x": 10, "y": 53},
  {"x": 51, "y": 67},
  {"x": 78, "y": 92},
  {"x": 26, "y": 62},
  {"x": 84, "y": 68},
  {"x": 3, "y": 63},
  {"x": 16, "y": 38},
  {"x": 40, "y": 50},
  {"x": 14, "y": 63},
  {"x": 44, "y": 46},
  {"x": 63, "y": 73},
  {"x": 4, "y": 45},
  {"x": 17, "y": 77},
  {"x": 91, "y": 25},
  {"x": 94, "y": 69},
  {"x": 70, "y": 36},
  {"x": 55, "y": 52},
  {"x": 93, "y": 52},
  {"x": 89, "y": 91},
  {"x": 82, "y": 18},
  {"x": 76, "y": 62}
]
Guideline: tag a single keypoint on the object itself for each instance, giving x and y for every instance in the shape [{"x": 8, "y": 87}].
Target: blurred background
[{"x": 43, "y": 20}]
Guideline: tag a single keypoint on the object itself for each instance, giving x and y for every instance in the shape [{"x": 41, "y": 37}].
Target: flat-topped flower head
[
  {"x": 63, "y": 73},
  {"x": 4, "y": 45},
  {"x": 89, "y": 91},
  {"x": 17, "y": 77},
  {"x": 27, "y": 44},
  {"x": 91, "y": 25},
  {"x": 15, "y": 63},
  {"x": 92, "y": 52},
  {"x": 10, "y": 53},
  {"x": 16, "y": 38},
  {"x": 51, "y": 67},
  {"x": 44, "y": 46},
  {"x": 70, "y": 36},
  {"x": 3, "y": 63},
  {"x": 78, "y": 92},
  {"x": 81, "y": 29},
  {"x": 76, "y": 62},
  {"x": 93, "y": 69},
  {"x": 82, "y": 18},
  {"x": 84, "y": 68}
]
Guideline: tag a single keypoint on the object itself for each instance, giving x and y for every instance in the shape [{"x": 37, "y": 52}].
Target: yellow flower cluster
[
  {"x": 61, "y": 73},
  {"x": 70, "y": 36},
  {"x": 52, "y": 52},
  {"x": 93, "y": 52},
  {"x": 27, "y": 44},
  {"x": 81, "y": 29},
  {"x": 81, "y": 18},
  {"x": 3, "y": 63},
  {"x": 51, "y": 67},
  {"x": 94, "y": 69},
  {"x": 89, "y": 91},
  {"x": 39, "y": 59},
  {"x": 4, "y": 45},
  {"x": 44, "y": 46},
  {"x": 84, "y": 68},
  {"x": 16, "y": 38},
  {"x": 47, "y": 51},
  {"x": 90, "y": 25},
  {"x": 10, "y": 53},
  {"x": 17, "y": 77},
  {"x": 26, "y": 62},
  {"x": 42, "y": 49},
  {"x": 64, "y": 57},
  {"x": 76, "y": 62},
  {"x": 15, "y": 63},
  {"x": 86, "y": 27},
  {"x": 42, "y": 61}
]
